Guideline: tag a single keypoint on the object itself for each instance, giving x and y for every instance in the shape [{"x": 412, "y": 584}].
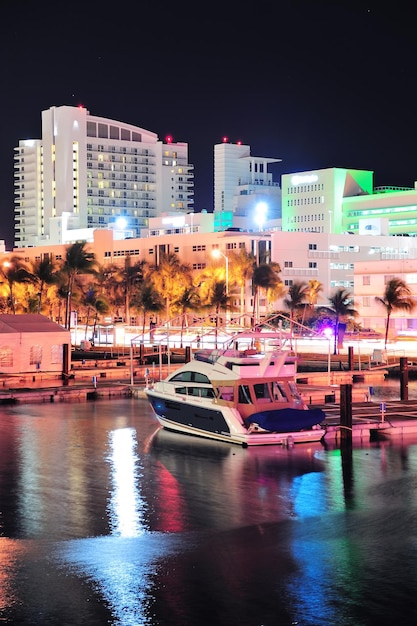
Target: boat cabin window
[
  {"x": 226, "y": 393},
  {"x": 244, "y": 394},
  {"x": 188, "y": 377},
  {"x": 262, "y": 392},
  {"x": 294, "y": 391},
  {"x": 278, "y": 391},
  {"x": 199, "y": 392}
]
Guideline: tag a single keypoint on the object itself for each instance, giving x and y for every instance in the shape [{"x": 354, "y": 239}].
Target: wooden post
[
  {"x": 346, "y": 413},
  {"x": 350, "y": 357},
  {"x": 66, "y": 357},
  {"x": 403, "y": 378},
  {"x": 187, "y": 354}
]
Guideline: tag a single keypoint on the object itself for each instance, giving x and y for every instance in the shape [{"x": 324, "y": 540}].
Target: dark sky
[{"x": 316, "y": 84}]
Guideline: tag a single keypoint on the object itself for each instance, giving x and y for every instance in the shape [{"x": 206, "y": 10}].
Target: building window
[
  {"x": 56, "y": 353},
  {"x": 366, "y": 280},
  {"x": 6, "y": 356},
  {"x": 35, "y": 355}
]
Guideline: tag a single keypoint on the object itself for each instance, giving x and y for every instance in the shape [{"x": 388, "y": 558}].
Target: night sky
[{"x": 316, "y": 84}]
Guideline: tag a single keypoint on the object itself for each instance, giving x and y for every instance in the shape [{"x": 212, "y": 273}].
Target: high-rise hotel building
[{"x": 89, "y": 172}]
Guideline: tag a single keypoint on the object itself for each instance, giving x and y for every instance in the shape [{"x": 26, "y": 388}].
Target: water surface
[{"x": 104, "y": 519}]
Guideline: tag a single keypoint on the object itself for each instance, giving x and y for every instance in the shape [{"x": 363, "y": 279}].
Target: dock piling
[{"x": 346, "y": 413}]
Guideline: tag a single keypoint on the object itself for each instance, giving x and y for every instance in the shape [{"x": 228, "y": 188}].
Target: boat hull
[{"x": 213, "y": 423}]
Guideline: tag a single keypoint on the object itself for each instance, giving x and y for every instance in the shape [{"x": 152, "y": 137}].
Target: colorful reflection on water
[{"x": 106, "y": 519}]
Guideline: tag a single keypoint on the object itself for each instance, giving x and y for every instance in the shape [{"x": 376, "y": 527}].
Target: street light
[{"x": 261, "y": 211}]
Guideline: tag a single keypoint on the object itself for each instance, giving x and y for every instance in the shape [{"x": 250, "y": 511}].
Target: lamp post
[{"x": 328, "y": 333}]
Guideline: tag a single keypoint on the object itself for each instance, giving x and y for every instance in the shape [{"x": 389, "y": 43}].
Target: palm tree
[
  {"x": 168, "y": 278},
  {"x": 397, "y": 297},
  {"x": 296, "y": 300},
  {"x": 341, "y": 306},
  {"x": 12, "y": 271},
  {"x": 77, "y": 261},
  {"x": 96, "y": 302},
  {"x": 242, "y": 265},
  {"x": 188, "y": 300},
  {"x": 129, "y": 276},
  {"x": 315, "y": 287},
  {"x": 45, "y": 274},
  {"x": 265, "y": 276},
  {"x": 147, "y": 299},
  {"x": 219, "y": 300}
]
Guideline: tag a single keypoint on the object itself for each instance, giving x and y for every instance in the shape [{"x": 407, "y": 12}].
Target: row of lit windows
[
  {"x": 380, "y": 211},
  {"x": 311, "y": 229},
  {"x": 317, "y": 217},
  {"x": 304, "y": 201},
  {"x": 311, "y": 264},
  {"x": 305, "y": 188},
  {"x": 122, "y": 253},
  {"x": 112, "y": 159}
]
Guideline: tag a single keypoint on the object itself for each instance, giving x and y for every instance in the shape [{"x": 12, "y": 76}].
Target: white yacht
[{"x": 244, "y": 394}]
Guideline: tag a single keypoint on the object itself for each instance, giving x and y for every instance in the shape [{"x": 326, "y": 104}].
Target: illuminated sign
[
  {"x": 298, "y": 179},
  {"x": 174, "y": 221}
]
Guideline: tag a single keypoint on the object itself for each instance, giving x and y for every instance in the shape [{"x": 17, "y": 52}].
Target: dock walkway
[{"x": 373, "y": 419}]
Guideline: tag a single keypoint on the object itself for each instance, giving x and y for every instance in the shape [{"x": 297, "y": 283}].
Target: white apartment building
[
  {"x": 243, "y": 186},
  {"x": 332, "y": 259},
  {"x": 88, "y": 172},
  {"x": 371, "y": 277}
]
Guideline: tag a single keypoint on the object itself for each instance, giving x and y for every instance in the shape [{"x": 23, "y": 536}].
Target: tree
[
  {"x": 129, "y": 276},
  {"x": 12, "y": 271},
  {"x": 147, "y": 299},
  {"x": 188, "y": 300},
  {"x": 341, "y": 306},
  {"x": 45, "y": 274},
  {"x": 219, "y": 300},
  {"x": 77, "y": 261},
  {"x": 242, "y": 265},
  {"x": 169, "y": 276},
  {"x": 92, "y": 300},
  {"x": 397, "y": 297},
  {"x": 314, "y": 289},
  {"x": 296, "y": 300},
  {"x": 265, "y": 276}
]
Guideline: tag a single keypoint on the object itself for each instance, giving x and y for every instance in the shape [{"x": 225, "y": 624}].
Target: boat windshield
[
  {"x": 294, "y": 391},
  {"x": 244, "y": 394},
  {"x": 262, "y": 392}
]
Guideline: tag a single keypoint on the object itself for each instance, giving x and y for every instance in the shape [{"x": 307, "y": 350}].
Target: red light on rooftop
[
  {"x": 239, "y": 143},
  {"x": 225, "y": 139},
  {"x": 168, "y": 139}
]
